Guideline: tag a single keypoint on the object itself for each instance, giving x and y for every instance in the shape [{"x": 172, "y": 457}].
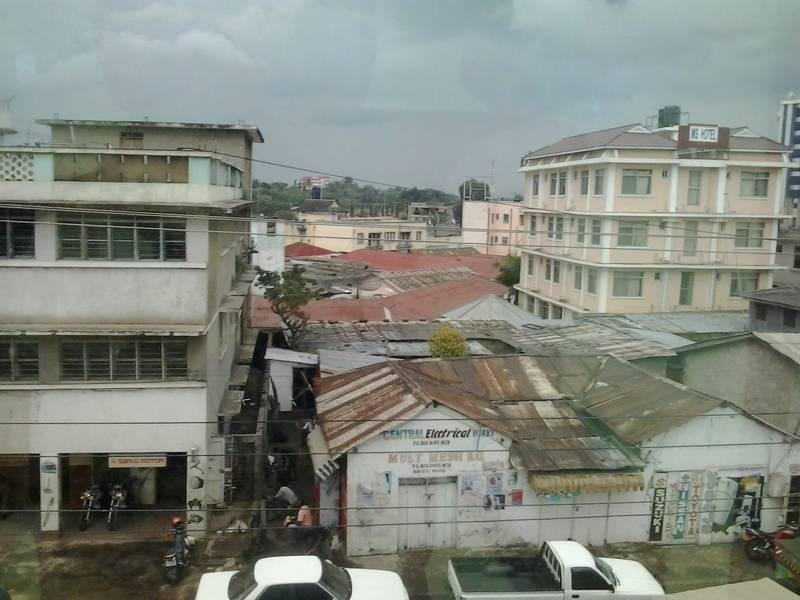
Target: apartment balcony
[{"x": 50, "y": 175}]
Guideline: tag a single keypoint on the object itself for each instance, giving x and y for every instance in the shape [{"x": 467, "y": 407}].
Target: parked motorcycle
[
  {"x": 118, "y": 502},
  {"x": 760, "y": 545},
  {"x": 180, "y": 552},
  {"x": 90, "y": 501}
]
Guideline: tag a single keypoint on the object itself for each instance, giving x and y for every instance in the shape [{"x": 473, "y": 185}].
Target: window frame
[
  {"x": 690, "y": 231},
  {"x": 599, "y": 174},
  {"x": 584, "y": 191},
  {"x": 14, "y": 362},
  {"x": 628, "y": 275},
  {"x": 591, "y": 281},
  {"x": 580, "y": 234},
  {"x": 116, "y": 363},
  {"x": 637, "y": 175},
  {"x": 13, "y": 222},
  {"x": 753, "y": 232},
  {"x": 577, "y": 279},
  {"x": 686, "y": 289},
  {"x": 789, "y": 322},
  {"x": 634, "y": 235},
  {"x": 562, "y": 183},
  {"x": 535, "y": 184},
  {"x": 739, "y": 277},
  {"x": 697, "y": 189},
  {"x": 754, "y": 178}
]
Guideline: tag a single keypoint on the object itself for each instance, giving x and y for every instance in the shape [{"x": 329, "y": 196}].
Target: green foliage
[
  {"x": 509, "y": 271},
  {"x": 447, "y": 342},
  {"x": 288, "y": 293},
  {"x": 276, "y": 199}
]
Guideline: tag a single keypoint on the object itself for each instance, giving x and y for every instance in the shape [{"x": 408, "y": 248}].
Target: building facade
[
  {"x": 628, "y": 220},
  {"x": 123, "y": 308},
  {"x": 789, "y": 135},
  {"x": 496, "y": 228}
]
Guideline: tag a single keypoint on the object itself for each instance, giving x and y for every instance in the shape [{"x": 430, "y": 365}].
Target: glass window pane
[
  {"x": 98, "y": 360},
  {"x": 5, "y": 361},
  {"x": 123, "y": 354},
  {"x": 122, "y": 238},
  {"x": 26, "y": 355},
  {"x": 20, "y": 242},
  {"x": 96, "y": 238},
  {"x": 148, "y": 237},
  {"x": 175, "y": 359},
  {"x": 150, "y": 360},
  {"x": 72, "y": 367},
  {"x": 69, "y": 240}
]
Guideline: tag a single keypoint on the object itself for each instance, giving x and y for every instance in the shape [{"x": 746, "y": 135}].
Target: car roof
[
  {"x": 287, "y": 569},
  {"x": 572, "y": 554}
]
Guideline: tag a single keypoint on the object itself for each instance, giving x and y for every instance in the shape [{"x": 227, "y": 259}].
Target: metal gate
[{"x": 428, "y": 516}]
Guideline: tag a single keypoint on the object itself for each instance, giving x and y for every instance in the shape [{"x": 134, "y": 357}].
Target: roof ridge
[{"x": 569, "y": 137}]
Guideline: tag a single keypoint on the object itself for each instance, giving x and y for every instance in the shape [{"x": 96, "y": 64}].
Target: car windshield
[
  {"x": 605, "y": 569},
  {"x": 242, "y": 583},
  {"x": 336, "y": 580}
]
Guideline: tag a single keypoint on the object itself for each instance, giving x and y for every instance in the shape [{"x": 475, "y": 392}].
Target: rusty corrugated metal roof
[{"x": 516, "y": 396}]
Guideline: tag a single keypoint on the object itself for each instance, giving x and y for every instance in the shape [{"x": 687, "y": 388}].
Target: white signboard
[
  {"x": 703, "y": 133},
  {"x": 136, "y": 462}
]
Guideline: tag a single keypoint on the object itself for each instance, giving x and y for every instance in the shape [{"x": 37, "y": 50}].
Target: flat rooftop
[{"x": 251, "y": 130}]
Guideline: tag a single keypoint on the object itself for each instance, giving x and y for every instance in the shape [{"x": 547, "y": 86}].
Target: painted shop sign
[
  {"x": 435, "y": 436},
  {"x": 129, "y": 462},
  {"x": 431, "y": 463}
]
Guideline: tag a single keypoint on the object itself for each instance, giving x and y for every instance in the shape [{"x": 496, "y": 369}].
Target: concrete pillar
[{"x": 49, "y": 492}]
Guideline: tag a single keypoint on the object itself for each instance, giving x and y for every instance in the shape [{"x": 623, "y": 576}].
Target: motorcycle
[
  {"x": 180, "y": 554},
  {"x": 118, "y": 502},
  {"x": 90, "y": 501},
  {"x": 760, "y": 545}
]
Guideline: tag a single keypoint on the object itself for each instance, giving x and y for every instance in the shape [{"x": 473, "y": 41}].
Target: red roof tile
[
  {"x": 424, "y": 303},
  {"x": 383, "y": 260},
  {"x": 300, "y": 249}
]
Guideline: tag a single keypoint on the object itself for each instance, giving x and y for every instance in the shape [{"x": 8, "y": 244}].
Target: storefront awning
[
  {"x": 587, "y": 483},
  {"x": 324, "y": 466}
]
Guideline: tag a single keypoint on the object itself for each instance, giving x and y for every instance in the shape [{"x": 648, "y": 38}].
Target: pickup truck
[
  {"x": 562, "y": 570},
  {"x": 300, "y": 578}
]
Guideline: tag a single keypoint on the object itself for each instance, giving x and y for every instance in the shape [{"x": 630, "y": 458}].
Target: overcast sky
[{"x": 412, "y": 92}]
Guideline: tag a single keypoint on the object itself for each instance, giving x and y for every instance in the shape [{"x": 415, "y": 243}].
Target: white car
[{"x": 301, "y": 578}]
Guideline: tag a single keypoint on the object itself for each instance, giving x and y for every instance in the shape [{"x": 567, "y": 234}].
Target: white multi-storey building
[
  {"x": 629, "y": 219},
  {"x": 121, "y": 309}
]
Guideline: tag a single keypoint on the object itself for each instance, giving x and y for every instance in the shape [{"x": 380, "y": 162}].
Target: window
[
  {"x": 749, "y": 235},
  {"x": 553, "y": 183},
  {"x": 124, "y": 359},
  {"x": 586, "y": 578},
  {"x": 504, "y": 240},
  {"x": 17, "y": 233},
  {"x": 578, "y": 285},
  {"x": 687, "y": 288},
  {"x": 743, "y": 282},
  {"x": 90, "y": 237},
  {"x": 562, "y": 183},
  {"x": 761, "y": 312},
  {"x": 418, "y": 235},
  {"x": 388, "y": 235},
  {"x": 632, "y": 233},
  {"x": 789, "y": 317},
  {"x": 552, "y": 270},
  {"x": 599, "y": 182},
  {"x": 531, "y": 304},
  {"x": 559, "y": 228},
  {"x": 690, "y": 239},
  {"x": 591, "y": 280},
  {"x": 532, "y": 225},
  {"x": 584, "y": 183},
  {"x": 544, "y": 310},
  {"x": 557, "y": 313},
  {"x": 505, "y": 217},
  {"x": 628, "y": 284},
  {"x": 360, "y": 237},
  {"x": 529, "y": 260},
  {"x": 796, "y": 262},
  {"x": 695, "y": 178},
  {"x": 551, "y": 227},
  {"x": 597, "y": 228},
  {"x": 754, "y": 185},
  {"x": 636, "y": 182},
  {"x": 522, "y": 220},
  {"x": 19, "y": 360},
  {"x": 535, "y": 185},
  {"x": 581, "y": 237}
]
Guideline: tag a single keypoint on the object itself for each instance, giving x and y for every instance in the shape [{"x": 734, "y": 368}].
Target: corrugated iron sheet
[{"x": 787, "y": 344}]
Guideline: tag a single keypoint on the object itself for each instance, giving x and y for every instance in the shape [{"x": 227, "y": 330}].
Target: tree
[
  {"x": 288, "y": 293},
  {"x": 447, "y": 342},
  {"x": 509, "y": 271}
]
